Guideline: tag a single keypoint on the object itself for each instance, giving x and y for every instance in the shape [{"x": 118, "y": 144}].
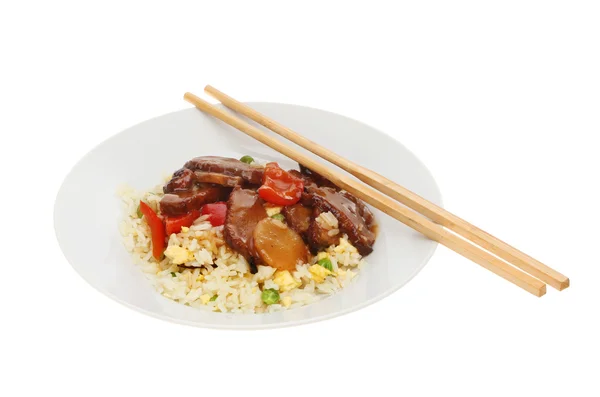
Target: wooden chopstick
[
  {"x": 405, "y": 196},
  {"x": 383, "y": 203}
]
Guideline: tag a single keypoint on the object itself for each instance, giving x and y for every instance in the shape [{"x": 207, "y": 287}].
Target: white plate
[{"x": 87, "y": 209}]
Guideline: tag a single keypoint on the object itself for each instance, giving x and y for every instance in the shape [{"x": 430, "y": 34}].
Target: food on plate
[{"x": 237, "y": 236}]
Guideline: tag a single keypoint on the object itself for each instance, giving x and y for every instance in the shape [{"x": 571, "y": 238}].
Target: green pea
[
  {"x": 326, "y": 263},
  {"x": 247, "y": 159},
  {"x": 279, "y": 217},
  {"x": 214, "y": 298},
  {"x": 270, "y": 296},
  {"x": 173, "y": 274}
]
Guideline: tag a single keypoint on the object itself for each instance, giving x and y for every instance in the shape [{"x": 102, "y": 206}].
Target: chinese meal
[{"x": 236, "y": 236}]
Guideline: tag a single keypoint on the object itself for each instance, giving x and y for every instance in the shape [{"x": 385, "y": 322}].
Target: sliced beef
[
  {"x": 318, "y": 236},
  {"x": 227, "y": 166},
  {"x": 182, "y": 180},
  {"x": 244, "y": 211},
  {"x": 216, "y": 170},
  {"x": 182, "y": 202},
  {"x": 192, "y": 186},
  {"x": 353, "y": 216},
  {"x": 362, "y": 210},
  {"x": 301, "y": 218},
  {"x": 306, "y": 199},
  {"x": 185, "y": 179},
  {"x": 297, "y": 217},
  {"x": 218, "y": 179}
]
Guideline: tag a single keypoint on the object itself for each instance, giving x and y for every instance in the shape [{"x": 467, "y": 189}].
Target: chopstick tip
[
  {"x": 539, "y": 291},
  {"x": 565, "y": 284},
  {"x": 542, "y": 291},
  {"x": 191, "y": 98}
]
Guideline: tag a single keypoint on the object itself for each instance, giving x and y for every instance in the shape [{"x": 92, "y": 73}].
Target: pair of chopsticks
[{"x": 421, "y": 215}]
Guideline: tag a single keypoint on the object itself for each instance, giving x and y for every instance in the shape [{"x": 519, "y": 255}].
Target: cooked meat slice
[
  {"x": 190, "y": 189},
  {"x": 218, "y": 179},
  {"x": 278, "y": 246},
  {"x": 244, "y": 211},
  {"x": 353, "y": 216},
  {"x": 182, "y": 202},
  {"x": 318, "y": 236},
  {"x": 173, "y": 205},
  {"x": 362, "y": 210},
  {"x": 306, "y": 199},
  {"x": 183, "y": 179},
  {"x": 228, "y": 166},
  {"x": 297, "y": 217}
]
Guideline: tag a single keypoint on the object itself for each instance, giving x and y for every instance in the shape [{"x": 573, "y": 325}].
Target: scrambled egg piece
[
  {"x": 285, "y": 281},
  {"x": 286, "y": 301},
  {"x": 322, "y": 255},
  {"x": 200, "y": 277},
  {"x": 318, "y": 273},
  {"x": 178, "y": 255},
  {"x": 185, "y": 229},
  {"x": 273, "y": 210},
  {"x": 205, "y": 298}
]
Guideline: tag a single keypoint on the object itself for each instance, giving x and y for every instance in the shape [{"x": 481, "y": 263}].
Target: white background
[{"x": 499, "y": 99}]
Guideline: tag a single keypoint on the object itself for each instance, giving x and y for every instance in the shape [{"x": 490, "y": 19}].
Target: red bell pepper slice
[
  {"x": 174, "y": 224},
  {"x": 157, "y": 230},
  {"x": 217, "y": 212},
  {"x": 280, "y": 187}
]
